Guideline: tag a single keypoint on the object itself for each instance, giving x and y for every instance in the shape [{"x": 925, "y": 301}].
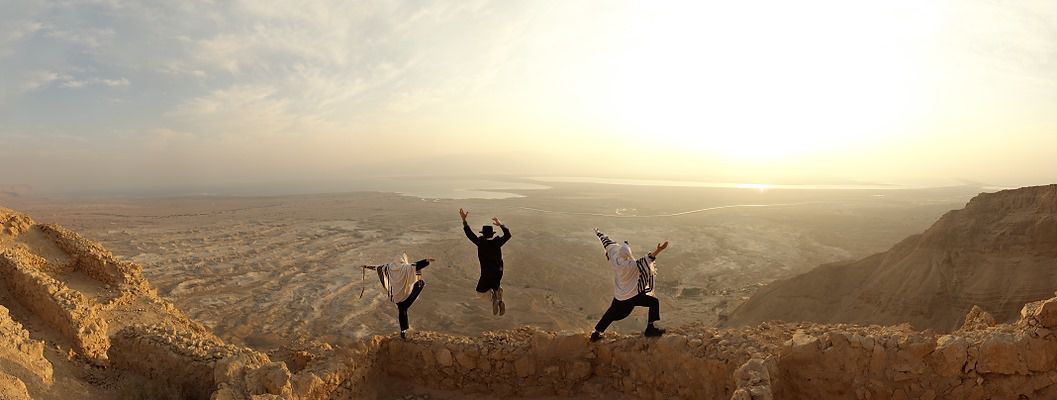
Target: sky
[{"x": 106, "y": 95}]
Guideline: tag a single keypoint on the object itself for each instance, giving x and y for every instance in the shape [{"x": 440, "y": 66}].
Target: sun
[{"x": 702, "y": 80}]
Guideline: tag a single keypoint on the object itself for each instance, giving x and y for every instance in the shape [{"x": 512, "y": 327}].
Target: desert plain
[{"x": 266, "y": 271}]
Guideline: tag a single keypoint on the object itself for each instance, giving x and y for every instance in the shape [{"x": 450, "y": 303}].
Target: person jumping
[
  {"x": 632, "y": 286},
  {"x": 490, "y": 253},
  {"x": 402, "y": 283}
]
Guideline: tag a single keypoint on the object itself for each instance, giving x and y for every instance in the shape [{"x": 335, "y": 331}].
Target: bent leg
[
  {"x": 403, "y": 306},
  {"x": 415, "y": 291},
  {"x": 617, "y": 311}
]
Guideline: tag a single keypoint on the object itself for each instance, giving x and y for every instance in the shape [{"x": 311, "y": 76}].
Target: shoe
[
  {"x": 495, "y": 303},
  {"x": 595, "y": 336},
  {"x": 652, "y": 331},
  {"x": 403, "y": 335},
  {"x": 502, "y": 305}
]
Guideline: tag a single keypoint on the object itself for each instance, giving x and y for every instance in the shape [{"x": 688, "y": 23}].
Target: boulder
[
  {"x": 444, "y": 357},
  {"x": 977, "y": 319}
]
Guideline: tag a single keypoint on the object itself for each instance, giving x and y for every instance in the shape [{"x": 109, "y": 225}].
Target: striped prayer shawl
[
  {"x": 647, "y": 273},
  {"x": 605, "y": 239},
  {"x": 631, "y": 276},
  {"x": 397, "y": 279}
]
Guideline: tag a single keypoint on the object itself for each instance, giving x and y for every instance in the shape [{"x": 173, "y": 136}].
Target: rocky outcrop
[
  {"x": 65, "y": 309},
  {"x": 14, "y": 224},
  {"x": 977, "y": 319},
  {"x": 12, "y": 388},
  {"x": 95, "y": 261},
  {"x": 753, "y": 380},
  {"x": 531, "y": 362},
  {"x": 999, "y": 252},
  {"x": 179, "y": 359},
  {"x": 22, "y": 358}
]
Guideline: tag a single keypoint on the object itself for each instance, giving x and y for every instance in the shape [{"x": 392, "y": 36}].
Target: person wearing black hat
[{"x": 490, "y": 253}]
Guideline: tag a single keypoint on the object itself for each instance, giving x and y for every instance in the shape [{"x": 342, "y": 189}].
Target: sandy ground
[{"x": 264, "y": 270}]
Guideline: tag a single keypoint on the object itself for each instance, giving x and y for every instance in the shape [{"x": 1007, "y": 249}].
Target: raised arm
[
  {"x": 506, "y": 232},
  {"x": 602, "y": 237},
  {"x": 423, "y": 263},
  {"x": 469, "y": 232},
  {"x": 660, "y": 247},
  {"x": 466, "y": 227}
]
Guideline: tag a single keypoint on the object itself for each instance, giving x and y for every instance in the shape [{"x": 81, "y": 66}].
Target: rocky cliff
[
  {"x": 77, "y": 322},
  {"x": 998, "y": 253}
]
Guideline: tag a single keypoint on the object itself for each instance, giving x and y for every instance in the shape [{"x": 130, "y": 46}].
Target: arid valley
[{"x": 267, "y": 271}]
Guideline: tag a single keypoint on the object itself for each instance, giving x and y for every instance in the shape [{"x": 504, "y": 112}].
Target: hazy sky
[{"x": 112, "y": 93}]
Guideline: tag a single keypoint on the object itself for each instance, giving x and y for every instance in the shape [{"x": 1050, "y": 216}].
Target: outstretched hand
[
  {"x": 463, "y": 214},
  {"x": 431, "y": 259},
  {"x": 660, "y": 248},
  {"x": 495, "y": 221}
]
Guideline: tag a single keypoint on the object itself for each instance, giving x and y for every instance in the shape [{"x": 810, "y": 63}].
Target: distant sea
[
  {"x": 719, "y": 185},
  {"x": 916, "y": 184},
  {"x": 447, "y": 188}
]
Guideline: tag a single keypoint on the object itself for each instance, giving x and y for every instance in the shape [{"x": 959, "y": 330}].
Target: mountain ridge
[{"x": 998, "y": 252}]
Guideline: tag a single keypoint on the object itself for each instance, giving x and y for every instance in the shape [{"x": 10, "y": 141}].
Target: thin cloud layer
[{"x": 132, "y": 94}]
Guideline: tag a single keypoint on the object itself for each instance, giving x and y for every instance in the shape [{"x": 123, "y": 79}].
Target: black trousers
[
  {"x": 402, "y": 306},
  {"x": 619, "y": 310},
  {"x": 491, "y": 277}
]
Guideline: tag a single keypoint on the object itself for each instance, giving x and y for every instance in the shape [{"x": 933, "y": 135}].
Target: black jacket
[{"x": 489, "y": 250}]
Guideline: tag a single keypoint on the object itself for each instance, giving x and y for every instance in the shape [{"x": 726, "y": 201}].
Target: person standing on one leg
[
  {"x": 632, "y": 286},
  {"x": 402, "y": 283},
  {"x": 490, "y": 253}
]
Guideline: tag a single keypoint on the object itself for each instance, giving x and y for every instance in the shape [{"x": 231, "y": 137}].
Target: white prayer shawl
[
  {"x": 398, "y": 279},
  {"x": 631, "y": 276}
]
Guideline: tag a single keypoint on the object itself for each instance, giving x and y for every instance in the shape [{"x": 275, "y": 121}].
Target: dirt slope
[{"x": 999, "y": 252}]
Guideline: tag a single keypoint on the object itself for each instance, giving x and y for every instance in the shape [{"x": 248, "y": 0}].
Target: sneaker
[
  {"x": 652, "y": 331},
  {"x": 595, "y": 336},
  {"x": 495, "y": 303},
  {"x": 403, "y": 335}
]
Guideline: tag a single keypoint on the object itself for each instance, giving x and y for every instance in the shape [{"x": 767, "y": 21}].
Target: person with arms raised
[
  {"x": 632, "y": 286},
  {"x": 490, "y": 254}
]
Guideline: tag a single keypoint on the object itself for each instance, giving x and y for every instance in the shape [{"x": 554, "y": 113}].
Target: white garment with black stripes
[
  {"x": 631, "y": 276},
  {"x": 398, "y": 279}
]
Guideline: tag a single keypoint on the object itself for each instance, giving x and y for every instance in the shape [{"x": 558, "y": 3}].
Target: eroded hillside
[{"x": 998, "y": 252}]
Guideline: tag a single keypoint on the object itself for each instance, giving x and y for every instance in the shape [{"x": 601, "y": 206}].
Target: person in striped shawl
[
  {"x": 402, "y": 283},
  {"x": 632, "y": 286}
]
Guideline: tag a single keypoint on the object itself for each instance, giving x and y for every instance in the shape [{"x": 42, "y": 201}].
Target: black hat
[{"x": 487, "y": 231}]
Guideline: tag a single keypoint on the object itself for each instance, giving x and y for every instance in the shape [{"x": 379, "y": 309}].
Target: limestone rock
[
  {"x": 977, "y": 319},
  {"x": 1040, "y": 313},
  {"x": 12, "y": 388},
  {"x": 444, "y": 357}
]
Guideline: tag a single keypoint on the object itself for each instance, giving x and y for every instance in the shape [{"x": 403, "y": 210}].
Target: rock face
[{"x": 999, "y": 252}]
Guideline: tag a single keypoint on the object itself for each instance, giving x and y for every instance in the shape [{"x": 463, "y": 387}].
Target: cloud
[
  {"x": 39, "y": 79},
  {"x": 17, "y": 32},
  {"x": 88, "y": 37},
  {"x": 36, "y": 80}
]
